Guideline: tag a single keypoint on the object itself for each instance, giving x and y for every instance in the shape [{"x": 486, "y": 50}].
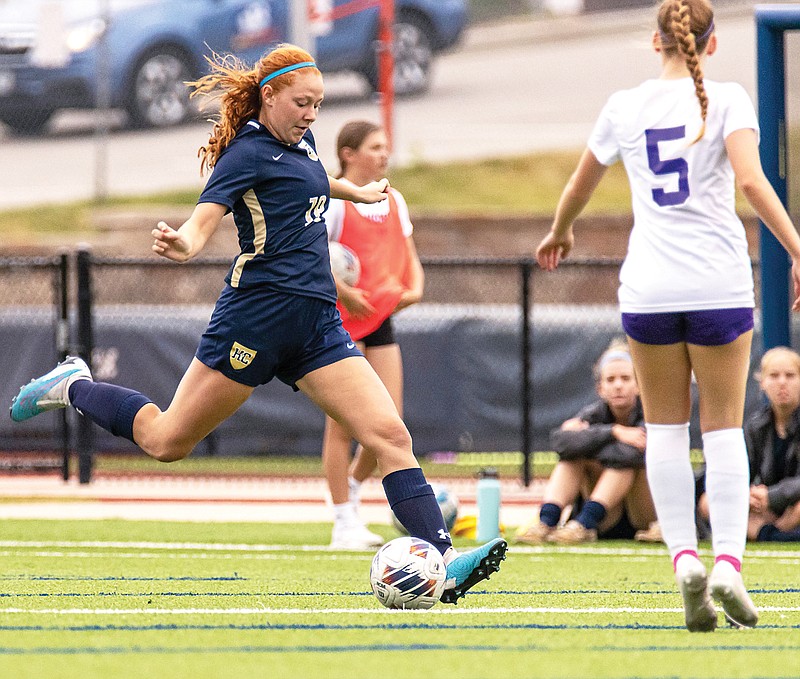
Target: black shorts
[
  {"x": 381, "y": 337},
  {"x": 257, "y": 334}
]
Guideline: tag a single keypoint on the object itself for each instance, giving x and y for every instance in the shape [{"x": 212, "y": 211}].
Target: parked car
[{"x": 53, "y": 55}]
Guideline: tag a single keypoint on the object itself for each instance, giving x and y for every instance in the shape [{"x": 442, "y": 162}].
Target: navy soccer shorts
[{"x": 257, "y": 334}]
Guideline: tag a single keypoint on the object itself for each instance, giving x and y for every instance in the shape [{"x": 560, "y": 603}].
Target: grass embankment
[{"x": 524, "y": 185}]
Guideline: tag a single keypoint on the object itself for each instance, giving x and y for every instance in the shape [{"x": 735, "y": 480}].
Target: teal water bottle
[{"x": 488, "y": 505}]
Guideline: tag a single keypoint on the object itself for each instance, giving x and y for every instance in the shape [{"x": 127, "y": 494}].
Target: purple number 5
[{"x": 672, "y": 166}]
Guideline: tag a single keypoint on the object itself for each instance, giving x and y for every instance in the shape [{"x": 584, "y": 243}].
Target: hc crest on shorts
[{"x": 241, "y": 356}]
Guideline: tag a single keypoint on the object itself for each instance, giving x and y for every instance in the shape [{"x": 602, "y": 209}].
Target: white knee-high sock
[
  {"x": 728, "y": 490},
  {"x": 671, "y": 481}
]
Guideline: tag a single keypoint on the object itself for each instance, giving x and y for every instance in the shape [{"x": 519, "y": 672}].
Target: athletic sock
[
  {"x": 728, "y": 490},
  {"x": 111, "y": 407},
  {"x": 671, "y": 481},
  {"x": 354, "y": 490},
  {"x": 414, "y": 504},
  {"x": 591, "y": 514},
  {"x": 345, "y": 514},
  {"x": 549, "y": 514},
  {"x": 770, "y": 533}
]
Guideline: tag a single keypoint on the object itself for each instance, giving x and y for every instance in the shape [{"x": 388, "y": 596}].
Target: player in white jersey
[{"x": 686, "y": 288}]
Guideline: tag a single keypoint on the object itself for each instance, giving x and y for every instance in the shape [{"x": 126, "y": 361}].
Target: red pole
[{"x": 386, "y": 65}]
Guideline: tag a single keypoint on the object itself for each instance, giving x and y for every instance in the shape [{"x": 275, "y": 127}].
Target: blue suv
[{"x": 52, "y": 55}]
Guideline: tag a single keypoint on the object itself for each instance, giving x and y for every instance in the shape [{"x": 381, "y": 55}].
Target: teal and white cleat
[
  {"x": 468, "y": 569},
  {"x": 50, "y": 391}
]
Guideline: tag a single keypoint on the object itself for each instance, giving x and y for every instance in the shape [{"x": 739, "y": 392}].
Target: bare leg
[
  {"x": 790, "y": 519},
  {"x": 336, "y": 444},
  {"x": 203, "y": 400},
  {"x": 610, "y": 490},
  {"x": 387, "y": 361},
  {"x": 564, "y": 483},
  {"x": 639, "y": 502},
  {"x": 350, "y": 392}
]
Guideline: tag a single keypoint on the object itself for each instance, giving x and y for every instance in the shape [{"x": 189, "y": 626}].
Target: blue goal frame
[{"x": 772, "y": 21}]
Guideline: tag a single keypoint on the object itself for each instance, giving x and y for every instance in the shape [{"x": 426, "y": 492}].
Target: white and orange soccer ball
[
  {"x": 344, "y": 263},
  {"x": 408, "y": 573}
]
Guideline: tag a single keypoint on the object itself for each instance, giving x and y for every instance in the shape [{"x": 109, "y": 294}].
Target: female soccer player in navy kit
[
  {"x": 277, "y": 315},
  {"x": 686, "y": 288}
]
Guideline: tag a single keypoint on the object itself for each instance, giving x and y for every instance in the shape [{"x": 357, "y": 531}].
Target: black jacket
[
  {"x": 783, "y": 486},
  {"x": 597, "y": 442}
]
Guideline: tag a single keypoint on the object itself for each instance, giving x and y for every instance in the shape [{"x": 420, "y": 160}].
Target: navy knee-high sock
[
  {"x": 414, "y": 504},
  {"x": 591, "y": 514},
  {"x": 549, "y": 514},
  {"x": 770, "y": 533},
  {"x": 107, "y": 405}
]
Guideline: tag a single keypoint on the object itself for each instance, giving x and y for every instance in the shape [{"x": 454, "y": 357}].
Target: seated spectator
[
  {"x": 601, "y": 453},
  {"x": 772, "y": 436}
]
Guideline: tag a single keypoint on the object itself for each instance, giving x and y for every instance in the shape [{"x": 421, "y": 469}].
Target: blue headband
[{"x": 286, "y": 69}]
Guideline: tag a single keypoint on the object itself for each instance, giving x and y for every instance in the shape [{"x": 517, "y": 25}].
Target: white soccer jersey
[
  {"x": 334, "y": 215},
  {"x": 687, "y": 250}
]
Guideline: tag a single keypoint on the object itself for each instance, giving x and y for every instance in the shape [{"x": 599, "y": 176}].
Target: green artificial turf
[{"x": 118, "y": 599}]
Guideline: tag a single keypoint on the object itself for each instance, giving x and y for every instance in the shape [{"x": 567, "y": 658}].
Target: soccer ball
[
  {"x": 408, "y": 573},
  {"x": 345, "y": 264},
  {"x": 448, "y": 504}
]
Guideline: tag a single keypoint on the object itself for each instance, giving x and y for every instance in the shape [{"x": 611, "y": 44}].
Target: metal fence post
[
  {"x": 85, "y": 344},
  {"x": 61, "y": 282},
  {"x": 526, "y": 270}
]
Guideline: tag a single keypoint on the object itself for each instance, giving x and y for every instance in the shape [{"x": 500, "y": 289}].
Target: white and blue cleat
[
  {"x": 50, "y": 391},
  {"x": 468, "y": 569}
]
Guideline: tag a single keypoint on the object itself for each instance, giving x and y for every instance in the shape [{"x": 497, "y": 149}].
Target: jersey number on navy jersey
[
  {"x": 664, "y": 167},
  {"x": 316, "y": 208}
]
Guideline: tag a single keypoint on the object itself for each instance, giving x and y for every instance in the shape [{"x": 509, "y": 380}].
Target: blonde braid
[{"x": 681, "y": 28}]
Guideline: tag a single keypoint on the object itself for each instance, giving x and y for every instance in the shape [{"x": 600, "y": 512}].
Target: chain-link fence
[{"x": 34, "y": 334}]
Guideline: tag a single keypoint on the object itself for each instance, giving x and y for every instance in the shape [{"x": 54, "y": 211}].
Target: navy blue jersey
[{"x": 278, "y": 193}]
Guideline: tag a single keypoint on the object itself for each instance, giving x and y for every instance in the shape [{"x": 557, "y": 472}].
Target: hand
[
  {"x": 574, "y": 424},
  {"x": 553, "y": 249},
  {"x": 796, "y": 285},
  {"x": 759, "y": 499},
  {"x": 408, "y": 298},
  {"x": 170, "y": 244},
  {"x": 633, "y": 436},
  {"x": 374, "y": 192},
  {"x": 355, "y": 301}
]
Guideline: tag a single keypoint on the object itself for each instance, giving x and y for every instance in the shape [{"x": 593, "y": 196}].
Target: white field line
[
  {"x": 639, "y": 552},
  {"x": 356, "y": 611},
  {"x": 189, "y": 556}
]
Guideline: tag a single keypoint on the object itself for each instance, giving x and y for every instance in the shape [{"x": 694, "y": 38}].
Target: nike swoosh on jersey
[{"x": 278, "y": 157}]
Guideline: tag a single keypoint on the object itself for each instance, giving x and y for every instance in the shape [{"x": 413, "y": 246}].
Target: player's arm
[
  {"x": 742, "y": 148},
  {"x": 184, "y": 243},
  {"x": 374, "y": 192},
  {"x": 558, "y": 243},
  {"x": 416, "y": 277}
]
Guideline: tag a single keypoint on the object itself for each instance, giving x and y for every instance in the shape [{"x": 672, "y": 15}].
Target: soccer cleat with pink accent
[
  {"x": 699, "y": 611},
  {"x": 50, "y": 391},
  {"x": 727, "y": 588}
]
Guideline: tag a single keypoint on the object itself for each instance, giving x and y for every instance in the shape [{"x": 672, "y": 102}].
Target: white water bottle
[{"x": 488, "y": 505}]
